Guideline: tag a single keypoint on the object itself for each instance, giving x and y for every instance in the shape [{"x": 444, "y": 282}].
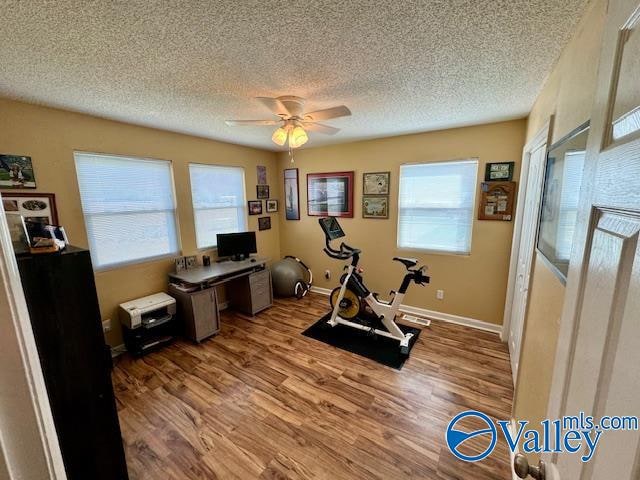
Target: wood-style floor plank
[{"x": 261, "y": 401}]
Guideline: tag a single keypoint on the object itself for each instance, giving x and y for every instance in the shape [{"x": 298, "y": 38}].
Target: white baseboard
[
  {"x": 320, "y": 290},
  {"x": 444, "y": 317}
]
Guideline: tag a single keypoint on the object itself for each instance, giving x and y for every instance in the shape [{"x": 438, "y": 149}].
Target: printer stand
[{"x": 144, "y": 339}]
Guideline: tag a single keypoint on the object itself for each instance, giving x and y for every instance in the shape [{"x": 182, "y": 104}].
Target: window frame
[
  {"x": 433, "y": 251},
  {"x": 138, "y": 261},
  {"x": 244, "y": 207}
]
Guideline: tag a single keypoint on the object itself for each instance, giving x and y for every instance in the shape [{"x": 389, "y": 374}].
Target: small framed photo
[
  {"x": 16, "y": 171},
  {"x": 272, "y": 206},
  {"x": 264, "y": 223},
  {"x": 262, "y": 191},
  {"x": 375, "y": 206},
  {"x": 190, "y": 262},
  {"x": 376, "y": 183},
  {"x": 499, "y": 172},
  {"x": 255, "y": 207},
  {"x": 181, "y": 264},
  {"x": 261, "y": 172}
]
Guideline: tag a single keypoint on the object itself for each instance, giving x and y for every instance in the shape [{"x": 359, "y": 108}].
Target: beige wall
[
  {"x": 50, "y": 136},
  {"x": 568, "y": 94},
  {"x": 474, "y": 285}
]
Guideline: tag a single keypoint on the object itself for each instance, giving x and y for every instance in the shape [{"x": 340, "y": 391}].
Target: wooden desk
[
  {"x": 217, "y": 273},
  {"x": 248, "y": 289}
]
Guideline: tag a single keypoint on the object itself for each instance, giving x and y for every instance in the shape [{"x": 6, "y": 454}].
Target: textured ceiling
[{"x": 400, "y": 66}]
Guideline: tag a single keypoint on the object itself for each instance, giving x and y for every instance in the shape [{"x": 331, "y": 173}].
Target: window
[
  {"x": 129, "y": 208},
  {"x": 436, "y": 204},
  {"x": 219, "y": 204}
]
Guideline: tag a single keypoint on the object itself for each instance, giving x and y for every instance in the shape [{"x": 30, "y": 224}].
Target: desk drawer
[
  {"x": 261, "y": 278},
  {"x": 261, "y": 295}
]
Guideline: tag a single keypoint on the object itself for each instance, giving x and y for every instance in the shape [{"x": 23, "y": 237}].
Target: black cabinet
[{"x": 76, "y": 363}]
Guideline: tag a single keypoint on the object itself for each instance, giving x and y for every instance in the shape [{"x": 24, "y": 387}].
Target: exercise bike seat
[{"x": 407, "y": 262}]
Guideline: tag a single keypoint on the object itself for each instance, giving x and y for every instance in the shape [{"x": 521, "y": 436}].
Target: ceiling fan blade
[
  {"x": 327, "y": 113},
  {"x": 249, "y": 123},
  {"x": 320, "y": 128},
  {"x": 274, "y": 105}
]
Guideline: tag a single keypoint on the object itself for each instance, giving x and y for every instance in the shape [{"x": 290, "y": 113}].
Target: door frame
[
  {"x": 29, "y": 445},
  {"x": 540, "y": 139}
]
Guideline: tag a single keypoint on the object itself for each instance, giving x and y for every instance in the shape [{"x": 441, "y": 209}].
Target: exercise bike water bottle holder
[{"x": 352, "y": 296}]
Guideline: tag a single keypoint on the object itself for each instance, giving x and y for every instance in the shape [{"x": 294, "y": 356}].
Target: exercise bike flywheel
[{"x": 349, "y": 305}]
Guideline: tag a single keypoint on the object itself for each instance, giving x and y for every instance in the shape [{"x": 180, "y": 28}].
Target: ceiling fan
[{"x": 294, "y": 123}]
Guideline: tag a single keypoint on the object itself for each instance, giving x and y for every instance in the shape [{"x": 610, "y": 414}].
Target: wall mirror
[{"x": 560, "y": 197}]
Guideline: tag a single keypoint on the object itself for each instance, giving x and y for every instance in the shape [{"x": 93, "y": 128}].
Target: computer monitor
[{"x": 238, "y": 246}]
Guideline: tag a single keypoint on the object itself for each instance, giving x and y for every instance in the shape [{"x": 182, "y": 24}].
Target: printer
[{"x": 149, "y": 311}]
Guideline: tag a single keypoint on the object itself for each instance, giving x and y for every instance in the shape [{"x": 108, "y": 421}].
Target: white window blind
[
  {"x": 569, "y": 198},
  {"x": 128, "y": 206},
  {"x": 436, "y": 204},
  {"x": 219, "y": 205}
]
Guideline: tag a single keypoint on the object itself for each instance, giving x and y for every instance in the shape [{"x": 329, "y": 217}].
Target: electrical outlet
[
  {"x": 106, "y": 325},
  {"x": 440, "y": 294},
  {"x": 327, "y": 274}
]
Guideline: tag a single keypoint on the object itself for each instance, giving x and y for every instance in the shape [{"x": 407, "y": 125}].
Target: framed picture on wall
[
  {"x": 330, "y": 194},
  {"x": 262, "y": 191},
  {"x": 255, "y": 207},
  {"x": 291, "y": 194},
  {"x": 375, "y": 206},
  {"x": 375, "y": 183},
  {"x": 499, "y": 172},
  {"x": 34, "y": 207},
  {"x": 261, "y": 173},
  {"x": 264, "y": 223},
  {"x": 272, "y": 206},
  {"x": 16, "y": 171}
]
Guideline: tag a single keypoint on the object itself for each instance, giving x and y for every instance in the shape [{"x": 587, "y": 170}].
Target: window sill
[
  {"x": 427, "y": 251},
  {"x": 117, "y": 266}
]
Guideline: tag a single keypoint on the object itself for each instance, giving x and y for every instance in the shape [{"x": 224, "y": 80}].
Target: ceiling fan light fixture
[
  {"x": 297, "y": 137},
  {"x": 279, "y": 136}
]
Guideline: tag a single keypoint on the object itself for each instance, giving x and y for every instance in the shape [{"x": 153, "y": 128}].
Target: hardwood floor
[{"x": 260, "y": 400}]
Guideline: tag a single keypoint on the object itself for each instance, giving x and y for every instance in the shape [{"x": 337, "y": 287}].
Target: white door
[
  {"x": 597, "y": 362},
  {"x": 523, "y": 247}
]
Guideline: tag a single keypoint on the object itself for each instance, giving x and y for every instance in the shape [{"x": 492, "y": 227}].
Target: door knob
[{"x": 523, "y": 469}]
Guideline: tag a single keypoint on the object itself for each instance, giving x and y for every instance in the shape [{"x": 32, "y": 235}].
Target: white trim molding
[
  {"x": 540, "y": 139},
  {"x": 434, "y": 315}
]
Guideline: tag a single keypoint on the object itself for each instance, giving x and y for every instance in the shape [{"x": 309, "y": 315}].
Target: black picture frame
[
  {"x": 291, "y": 194},
  {"x": 264, "y": 223},
  {"x": 16, "y": 171},
  {"x": 272, "y": 205},
  {"x": 262, "y": 192},
  {"x": 499, "y": 171},
  {"x": 255, "y": 207}
]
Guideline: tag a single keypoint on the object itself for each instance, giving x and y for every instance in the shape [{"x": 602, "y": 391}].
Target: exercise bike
[{"x": 352, "y": 302}]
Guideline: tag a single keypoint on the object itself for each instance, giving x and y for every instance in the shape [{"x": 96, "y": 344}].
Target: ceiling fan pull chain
[{"x": 291, "y": 153}]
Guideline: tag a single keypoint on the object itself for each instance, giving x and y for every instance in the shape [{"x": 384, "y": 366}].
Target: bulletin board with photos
[{"x": 497, "y": 201}]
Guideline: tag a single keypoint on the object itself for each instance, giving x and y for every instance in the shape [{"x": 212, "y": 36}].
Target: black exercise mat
[{"x": 380, "y": 349}]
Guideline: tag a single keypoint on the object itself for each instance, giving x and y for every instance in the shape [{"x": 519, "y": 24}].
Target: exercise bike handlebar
[{"x": 344, "y": 253}]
